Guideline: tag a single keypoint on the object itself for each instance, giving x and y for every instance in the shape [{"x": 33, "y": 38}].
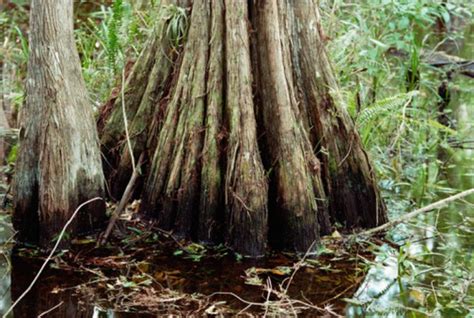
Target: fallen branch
[
  {"x": 131, "y": 183},
  {"x": 284, "y": 302},
  {"x": 123, "y": 202},
  {"x": 281, "y": 304},
  {"x": 428, "y": 208},
  {"x": 50, "y": 310},
  {"x": 440, "y": 59},
  {"x": 50, "y": 256}
]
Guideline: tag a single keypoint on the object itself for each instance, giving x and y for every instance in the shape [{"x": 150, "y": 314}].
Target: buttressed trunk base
[
  {"x": 58, "y": 165},
  {"x": 246, "y": 136}
]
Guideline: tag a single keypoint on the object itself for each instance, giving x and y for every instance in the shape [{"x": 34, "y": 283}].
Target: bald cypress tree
[
  {"x": 58, "y": 165},
  {"x": 246, "y": 137}
]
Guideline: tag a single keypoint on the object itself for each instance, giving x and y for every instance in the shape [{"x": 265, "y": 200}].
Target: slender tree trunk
[
  {"x": 58, "y": 165},
  {"x": 249, "y": 141}
]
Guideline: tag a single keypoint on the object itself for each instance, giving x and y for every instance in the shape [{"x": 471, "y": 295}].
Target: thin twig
[
  {"x": 50, "y": 310},
  {"x": 402, "y": 125},
  {"x": 298, "y": 265},
  {"x": 325, "y": 309},
  {"x": 123, "y": 202},
  {"x": 237, "y": 297},
  {"x": 50, "y": 256},
  {"x": 125, "y": 121},
  {"x": 430, "y": 207},
  {"x": 269, "y": 289},
  {"x": 135, "y": 168}
]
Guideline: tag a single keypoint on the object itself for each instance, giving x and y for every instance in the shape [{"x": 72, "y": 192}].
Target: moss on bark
[{"x": 247, "y": 138}]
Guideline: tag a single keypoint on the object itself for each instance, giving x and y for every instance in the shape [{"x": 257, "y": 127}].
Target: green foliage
[
  {"x": 177, "y": 24},
  {"x": 113, "y": 44},
  {"x": 377, "y": 47},
  {"x": 66, "y": 237},
  {"x": 106, "y": 38},
  {"x": 14, "y": 53},
  {"x": 383, "y": 106},
  {"x": 24, "y": 43},
  {"x": 193, "y": 251},
  {"x": 11, "y": 159},
  {"x": 377, "y": 50}
]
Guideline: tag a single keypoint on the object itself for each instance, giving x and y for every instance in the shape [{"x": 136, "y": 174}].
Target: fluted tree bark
[
  {"x": 58, "y": 165},
  {"x": 248, "y": 140}
]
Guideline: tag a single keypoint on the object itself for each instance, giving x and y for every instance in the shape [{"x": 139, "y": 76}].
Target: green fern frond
[
  {"x": 113, "y": 44},
  {"x": 352, "y": 103},
  {"x": 392, "y": 103}
]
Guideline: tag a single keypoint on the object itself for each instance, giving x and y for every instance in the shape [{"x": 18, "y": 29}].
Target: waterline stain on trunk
[{"x": 251, "y": 142}]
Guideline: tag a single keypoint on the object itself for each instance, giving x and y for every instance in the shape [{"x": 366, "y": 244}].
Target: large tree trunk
[
  {"x": 58, "y": 165},
  {"x": 249, "y": 141},
  {"x": 347, "y": 173}
]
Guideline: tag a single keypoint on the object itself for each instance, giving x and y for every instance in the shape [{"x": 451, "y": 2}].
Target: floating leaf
[{"x": 281, "y": 270}]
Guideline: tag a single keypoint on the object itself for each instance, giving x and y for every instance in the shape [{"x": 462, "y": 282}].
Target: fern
[
  {"x": 113, "y": 44},
  {"x": 392, "y": 103}
]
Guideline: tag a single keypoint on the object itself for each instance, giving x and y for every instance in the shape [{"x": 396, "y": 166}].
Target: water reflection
[
  {"x": 332, "y": 276},
  {"x": 440, "y": 243},
  {"x": 5, "y": 282},
  {"x": 43, "y": 298}
]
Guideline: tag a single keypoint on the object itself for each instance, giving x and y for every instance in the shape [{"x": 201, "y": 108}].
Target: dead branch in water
[
  {"x": 123, "y": 202},
  {"x": 136, "y": 172},
  {"x": 428, "y": 208}
]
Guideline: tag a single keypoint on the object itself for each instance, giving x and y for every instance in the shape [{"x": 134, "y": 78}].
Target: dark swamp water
[{"x": 164, "y": 280}]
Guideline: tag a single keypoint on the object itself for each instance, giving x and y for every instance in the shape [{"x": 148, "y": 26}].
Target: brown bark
[
  {"x": 147, "y": 84},
  {"x": 251, "y": 142},
  {"x": 211, "y": 173},
  {"x": 173, "y": 182},
  {"x": 246, "y": 187},
  {"x": 58, "y": 165},
  {"x": 349, "y": 178},
  {"x": 296, "y": 179}
]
